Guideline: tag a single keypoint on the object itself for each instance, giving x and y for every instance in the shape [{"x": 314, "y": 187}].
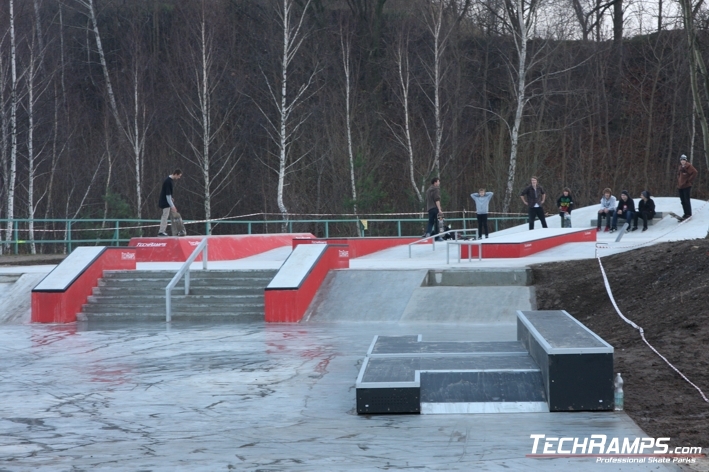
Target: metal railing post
[
  {"x": 68, "y": 235},
  {"x": 398, "y": 227},
  {"x": 327, "y": 229},
  {"x": 117, "y": 232},
  {"x": 184, "y": 271},
  {"x": 15, "y": 225},
  {"x": 249, "y": 225}
]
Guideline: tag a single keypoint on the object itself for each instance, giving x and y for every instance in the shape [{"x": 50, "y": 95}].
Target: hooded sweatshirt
[{"x": 608, "y": 204}]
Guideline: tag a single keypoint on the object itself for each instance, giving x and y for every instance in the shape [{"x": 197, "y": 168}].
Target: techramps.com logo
[{"x": 613, "y": 450}]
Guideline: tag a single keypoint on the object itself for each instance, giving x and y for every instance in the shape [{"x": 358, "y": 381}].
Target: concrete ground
[{"x": 271, "y": 397}]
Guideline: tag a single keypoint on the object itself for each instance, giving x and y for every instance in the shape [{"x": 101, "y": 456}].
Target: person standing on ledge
[
  {"x": 482, "y": 203},
  {"x": 433, "y": 205},
  {"x": 167, "y": 203},
  {"x": 534, "y": 196},
  {"x": 685, "y": 176}
]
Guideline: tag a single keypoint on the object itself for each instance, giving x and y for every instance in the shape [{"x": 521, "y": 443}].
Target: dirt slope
[{"x": 663, "y": 289}]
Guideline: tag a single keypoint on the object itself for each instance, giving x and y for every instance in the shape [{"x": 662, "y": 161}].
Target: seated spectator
[
  {"x": 565, "y": 203},
  {"x": 608, "y": 204},
  {"x": 646, "y": 210},
  {"x": 626, "y": 210}
]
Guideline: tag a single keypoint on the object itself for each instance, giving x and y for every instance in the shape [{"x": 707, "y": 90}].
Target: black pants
[
  {"x": 608, "y": 216},
  {"x": 432, "y": 222},
  {"x": 686, "y": 203},
  {"x": 644, "y": 215},
  {"x": 539, "y": 213},
  {"x": 482, "y": 225}
]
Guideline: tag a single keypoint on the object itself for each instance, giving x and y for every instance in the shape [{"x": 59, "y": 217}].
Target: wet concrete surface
[{"x": 247, "y": 397}]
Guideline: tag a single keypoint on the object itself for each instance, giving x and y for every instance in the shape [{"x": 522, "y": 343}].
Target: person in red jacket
[{"x": 685, "y": 176}]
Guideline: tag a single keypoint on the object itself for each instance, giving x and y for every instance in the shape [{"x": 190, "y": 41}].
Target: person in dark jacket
[
  {"x": 533, "y": 196},
  {"x": 565, "y": 203},
  {"x": 626, "y": 210},
  {"x": 685, "y": 177},
  {"x": 167, "y": 202},
  {"x": 433, "y": 205},
  {"x": 646, "y": 210}
]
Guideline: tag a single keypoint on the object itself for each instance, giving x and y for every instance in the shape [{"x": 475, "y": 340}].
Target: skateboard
[
  {"x": 677, "y": 217},
  {"x": 176, "y": 224}
]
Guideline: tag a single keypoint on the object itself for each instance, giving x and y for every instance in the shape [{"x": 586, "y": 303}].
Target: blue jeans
[{"x": 628, "y": 215}]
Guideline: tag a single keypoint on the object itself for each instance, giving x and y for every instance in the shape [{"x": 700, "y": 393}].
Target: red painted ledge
[
  {"x": 290, "y": 293},
  {"x": 60, "y": 296}
]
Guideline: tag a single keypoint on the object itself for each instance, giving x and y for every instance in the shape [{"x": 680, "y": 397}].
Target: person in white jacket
[
  {"x": 482, "y": 203},
  {"x": 608, "y": 204}
]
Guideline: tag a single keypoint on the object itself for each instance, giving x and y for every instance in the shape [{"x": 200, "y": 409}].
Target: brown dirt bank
[{"x": 663, "y": 289}]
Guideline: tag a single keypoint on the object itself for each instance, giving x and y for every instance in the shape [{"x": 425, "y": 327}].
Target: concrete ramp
[
  {"x": 17, "y": 296},
  {"x": 489, "y": 296},
  {"x": 467, "y": 304},
  {"x": 364, "y": 295}
]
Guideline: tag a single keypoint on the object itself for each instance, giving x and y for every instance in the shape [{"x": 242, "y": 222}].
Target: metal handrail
[
  {"x": 184, "y": 270},
  {"x": 71, "y": 233},
  {"x": 438, "y": 235}
]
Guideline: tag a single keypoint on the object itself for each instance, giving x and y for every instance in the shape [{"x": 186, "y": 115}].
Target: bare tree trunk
[
  {"x": 346, "y": 48},
  {"x": 521, "y": 45},
  {"x": 89, "y": 5},
  {"x": 30, "y": 150},
  {"x": 204, "y": 99},
  {"x": 13, "y": 129},
  {"x": 4, "y": 134},
  {"x": 56, "y": 153},
  {"x": 439, "y": 45},
  {"x": 402, "y": 62},
  {"x": 696, "y": 66},
  {"x": 213, "y": 165},
  {"x": 284, "y": 126}
]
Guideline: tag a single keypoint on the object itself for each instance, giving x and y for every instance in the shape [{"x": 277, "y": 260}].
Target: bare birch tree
[
  {"x": 285, "y": 127},
  {"x": 136, "y": 131},
  {"x": 346, "y": 48},
  {"x": 697, "y": 70},
  {"x": 402, "y": 133},
  {"x": 34, "y": 92},
  {"x": 4, "y": 123},
  {"x": 205, "y": 122},
  {"x": 435, "y": 17},
  {"x": 12, "y": 171}
]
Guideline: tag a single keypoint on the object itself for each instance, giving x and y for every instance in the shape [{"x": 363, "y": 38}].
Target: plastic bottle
[{"x": 618, "y": 397}]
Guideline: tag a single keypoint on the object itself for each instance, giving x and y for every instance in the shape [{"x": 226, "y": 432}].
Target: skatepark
[{"x": 110, "y": 392}]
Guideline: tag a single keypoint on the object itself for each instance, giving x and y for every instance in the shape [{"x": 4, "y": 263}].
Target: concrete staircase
[{"x": 215, "y": 295}]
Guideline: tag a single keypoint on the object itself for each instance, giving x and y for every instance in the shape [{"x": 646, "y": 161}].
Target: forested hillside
[{"x": 337, "y": 106}]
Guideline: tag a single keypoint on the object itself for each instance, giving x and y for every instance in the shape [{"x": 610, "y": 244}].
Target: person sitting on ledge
[
  {"x": 646, "y": 210},
  {"x": 626, "y": 209}
]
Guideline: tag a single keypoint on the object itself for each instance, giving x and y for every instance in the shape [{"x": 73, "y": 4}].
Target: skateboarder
[
  {"x": 565, "y": 203},
  {"x": 433, "y": 205},
  {"x": 167, "y": 203},
  {"x": 685, "y": 177}
]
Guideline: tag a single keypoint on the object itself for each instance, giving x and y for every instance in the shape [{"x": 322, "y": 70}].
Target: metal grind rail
[
  {"x": 184, "y": 271},
  {"x": 438, "y": 235}
]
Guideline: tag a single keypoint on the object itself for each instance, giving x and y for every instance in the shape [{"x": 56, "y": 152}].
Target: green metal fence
[{"x": 63, "y": 235}]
